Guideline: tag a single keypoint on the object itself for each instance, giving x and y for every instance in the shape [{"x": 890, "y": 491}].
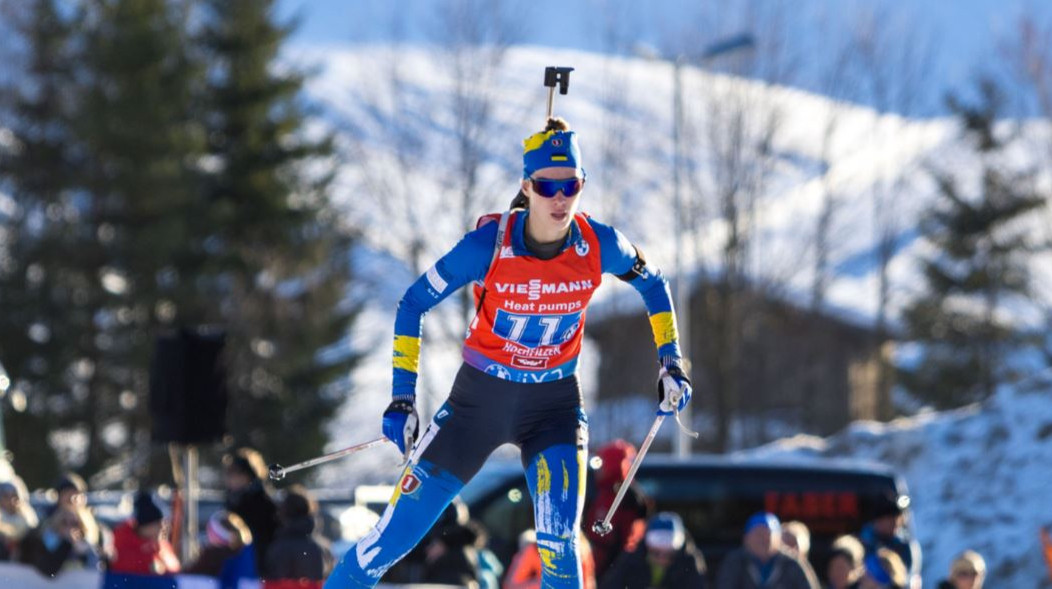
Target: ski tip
[{"x": 601, "y": 528}]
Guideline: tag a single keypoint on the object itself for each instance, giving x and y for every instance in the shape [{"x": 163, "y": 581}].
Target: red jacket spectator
[
  {"x": 525, "y": 569},
  {"x": 140, "y": 545}
]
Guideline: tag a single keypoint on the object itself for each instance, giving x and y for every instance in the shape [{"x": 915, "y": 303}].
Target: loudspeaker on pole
[{"x": 188, "y": 388}]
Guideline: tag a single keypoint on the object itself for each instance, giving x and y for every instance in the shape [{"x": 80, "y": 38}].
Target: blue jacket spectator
[
  {"x": 229, "y": 554},
  {"x": 760, "y": 562},
  {"x": 886, "y": 530}
]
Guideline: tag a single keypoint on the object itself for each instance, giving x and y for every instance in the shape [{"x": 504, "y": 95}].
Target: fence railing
[{"x": 24, "y": 577}]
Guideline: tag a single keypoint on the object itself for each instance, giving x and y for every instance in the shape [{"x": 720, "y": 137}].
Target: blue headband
[{"x": 549, "y": 149}]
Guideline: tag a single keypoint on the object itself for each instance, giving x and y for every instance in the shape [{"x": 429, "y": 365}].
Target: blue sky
[{"x": 964, "y": 36}]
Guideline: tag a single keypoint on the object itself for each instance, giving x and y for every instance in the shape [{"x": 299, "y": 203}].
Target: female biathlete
[{"x": 535, "y": 270}]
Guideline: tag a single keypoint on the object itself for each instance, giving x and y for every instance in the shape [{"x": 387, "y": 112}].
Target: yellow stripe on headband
[
  {"x": 535, "y": 141},
  {"x": 664, "y": 327},
  {"x": 407, "y": 353}
]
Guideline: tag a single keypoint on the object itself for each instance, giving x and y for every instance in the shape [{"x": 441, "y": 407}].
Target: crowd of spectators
[
  {"x": 253, "y": 537},
  {"x": 276, "y": 541}
]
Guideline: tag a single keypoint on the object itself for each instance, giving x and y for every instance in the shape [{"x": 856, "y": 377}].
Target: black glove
[{"x": 401, "y": 424}]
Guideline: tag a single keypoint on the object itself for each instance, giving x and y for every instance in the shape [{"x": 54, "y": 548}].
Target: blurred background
[{"x": 209, "y": 210}]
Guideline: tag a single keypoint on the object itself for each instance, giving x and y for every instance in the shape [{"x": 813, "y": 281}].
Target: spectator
[
  {"x": 629, "y": 522},
  {"x": 887, "y": 530},
  {"x": 490, "y": 567},
  {"x": 59, "y": 545},
  {"x": 584, "y": 549},
  {"x": 140, "y": 542},
  {"x": 72, "y": 494},
  {"x": 525, "y": 569},
  {"x": 968, "y": 571},
  {"x": 8, "y": 546},
  {"x": 883, "y": 570},
  {"x": 451, "y": 556},
  {"x": 796, "y": 538},
  {"x": 1046, "y": 548},
  {"x": 796, "y": 541},
  {"x": 228, "y": 554},
  {"x": 760, "y": 562},
  {"x": 244, "y": 473},
  {"x": 15, "y": 510},
  {"x": 71, "y": 490},
  {"x": 666, "y": 558},
  {"x": 413, "y": 568},
  {"x": 297, "y": 553},
  {"x": 845, "y": 563}
]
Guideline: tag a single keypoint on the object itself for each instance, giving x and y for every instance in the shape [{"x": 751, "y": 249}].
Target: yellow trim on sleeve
[
  {"x": 407, "y": 353},
  {"x": 664, "y": 327}
]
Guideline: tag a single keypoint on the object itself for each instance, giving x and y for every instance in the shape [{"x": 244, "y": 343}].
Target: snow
[{"x": 978, "y": 477}]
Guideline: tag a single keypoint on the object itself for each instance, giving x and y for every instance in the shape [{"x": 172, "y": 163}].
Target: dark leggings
[{"x": 544, "y": 420}]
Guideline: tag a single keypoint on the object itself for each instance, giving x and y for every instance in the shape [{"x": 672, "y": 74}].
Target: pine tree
[
  {"x": 45, "y": 293},
  {"x": 143, "y": 143},
  {"x": 979, "y": 269},
  {"x": 164, "y": 178},
  {"x": 107, "y": 183},
  {"x": 279, "y": 257}
]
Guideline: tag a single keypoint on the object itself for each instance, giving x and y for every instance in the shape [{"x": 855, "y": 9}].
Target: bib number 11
[{"x": 536, "y": 330}]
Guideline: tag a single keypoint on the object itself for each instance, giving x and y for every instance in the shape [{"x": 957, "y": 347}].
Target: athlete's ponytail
[
  {"x": 519, "y": 202},
  {"x": 556, "y": 124}
]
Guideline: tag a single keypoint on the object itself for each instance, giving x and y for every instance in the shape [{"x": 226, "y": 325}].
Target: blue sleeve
[
  {"x": 618, "y": 256},
  {"x": 468, "y": 261},
  {"x": 616, "y": 253}
]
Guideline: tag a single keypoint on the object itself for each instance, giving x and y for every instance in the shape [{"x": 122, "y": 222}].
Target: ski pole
[
  {"x": 603, "y": 527},
  {"x": 278, "y": 472}
]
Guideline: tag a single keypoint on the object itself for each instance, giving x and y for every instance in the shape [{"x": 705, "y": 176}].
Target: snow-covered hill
[{"x": 979, "y": 477}]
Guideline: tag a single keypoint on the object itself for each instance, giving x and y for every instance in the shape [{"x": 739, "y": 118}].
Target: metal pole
[
  {"x": 5, "y": 384},
  {"x": 603, "y": 527},
  {"x": 278, "y": 472},
  {"x": 681, "y": 292},
  {"x": 192, "y": 492}
]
